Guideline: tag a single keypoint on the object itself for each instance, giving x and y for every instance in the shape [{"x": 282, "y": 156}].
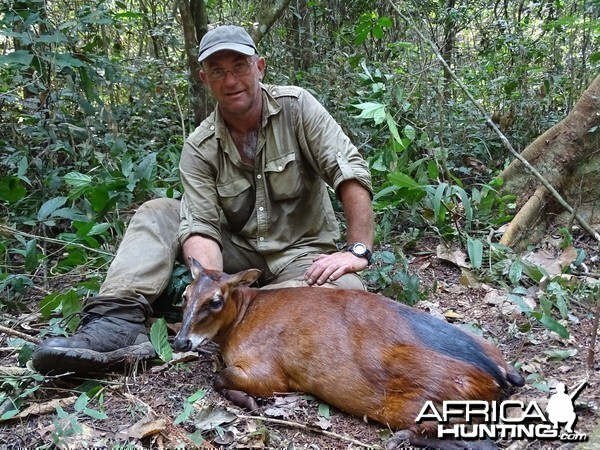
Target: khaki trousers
[{"x": 142, "y": 267}]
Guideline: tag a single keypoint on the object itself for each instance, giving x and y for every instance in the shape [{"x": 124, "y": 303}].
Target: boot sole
[{"x": 61, "y": 360}]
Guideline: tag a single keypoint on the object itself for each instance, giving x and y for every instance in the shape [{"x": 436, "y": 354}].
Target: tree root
[{"x": 525, "y": 219}]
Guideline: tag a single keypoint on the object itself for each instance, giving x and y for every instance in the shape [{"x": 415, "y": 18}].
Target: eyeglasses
[{"x": 238, "y": 70}]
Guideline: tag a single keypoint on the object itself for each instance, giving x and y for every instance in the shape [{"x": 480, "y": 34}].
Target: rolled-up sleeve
[{"x": 200, "y": 213}]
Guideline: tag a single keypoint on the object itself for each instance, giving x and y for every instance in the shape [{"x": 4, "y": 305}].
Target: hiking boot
[{"x": 100, "y": 343}]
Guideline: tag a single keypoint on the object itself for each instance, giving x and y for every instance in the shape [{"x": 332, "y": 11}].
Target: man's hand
[{"x": 330, "y": 267}]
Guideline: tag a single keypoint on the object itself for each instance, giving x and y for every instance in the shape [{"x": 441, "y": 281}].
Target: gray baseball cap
[{"x": 226, "y": 37}]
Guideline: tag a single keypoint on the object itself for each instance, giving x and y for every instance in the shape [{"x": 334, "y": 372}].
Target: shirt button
[
  {"x": 280, "y": 168},
  {"x": 339, "y": 153},
  {"x": 274, "y": 92},
  {"x": 212, "y": 127},
  {"x": 261, "y": 208},
  {"x": 261, "y": 238},
  {"x": 259, "y": 176}
]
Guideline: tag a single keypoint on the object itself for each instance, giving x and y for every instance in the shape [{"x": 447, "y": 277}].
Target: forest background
[{"x": 96, "y": 99}]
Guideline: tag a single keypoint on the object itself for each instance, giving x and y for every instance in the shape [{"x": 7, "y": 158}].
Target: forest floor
[{"x": 174, "y": 405}]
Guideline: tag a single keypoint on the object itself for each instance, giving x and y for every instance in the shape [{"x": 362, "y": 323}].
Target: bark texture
[{"x": 568, "y": 156}]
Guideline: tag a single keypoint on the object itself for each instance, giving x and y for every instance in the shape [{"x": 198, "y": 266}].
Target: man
[{"x": 255, "y": 175}]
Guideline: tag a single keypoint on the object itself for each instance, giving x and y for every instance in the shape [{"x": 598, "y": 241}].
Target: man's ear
[
  {"x": 202, "y": 75},
  {"x": 261, "y": 65}
]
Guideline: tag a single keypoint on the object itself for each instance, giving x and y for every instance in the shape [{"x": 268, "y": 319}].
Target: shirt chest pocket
[
  {"x": 284, "y": 178},
  {"x": 237, "y": 201}
]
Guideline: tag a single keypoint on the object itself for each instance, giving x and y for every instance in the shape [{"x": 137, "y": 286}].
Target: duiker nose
[{"x": 182, "y": 344}]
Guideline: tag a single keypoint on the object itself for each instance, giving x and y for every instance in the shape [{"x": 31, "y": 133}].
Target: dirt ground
[{"x": 149, "y": 406}]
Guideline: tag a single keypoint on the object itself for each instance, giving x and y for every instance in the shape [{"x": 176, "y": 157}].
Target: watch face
[{"x": 359, "y": 249}]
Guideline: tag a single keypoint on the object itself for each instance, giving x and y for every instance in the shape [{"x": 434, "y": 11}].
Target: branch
[
  {"x": 18, "y": 334},
  {"x": 305, "y": 427},
  {"x": 503, "y": 138},
  {"x": 269, "y": 12}
]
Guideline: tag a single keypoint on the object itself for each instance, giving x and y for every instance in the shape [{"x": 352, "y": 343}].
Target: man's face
[{"x": 236, "y": 95}]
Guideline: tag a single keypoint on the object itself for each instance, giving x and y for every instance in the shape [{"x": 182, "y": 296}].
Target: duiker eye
[{"x": 216, "y": 302}]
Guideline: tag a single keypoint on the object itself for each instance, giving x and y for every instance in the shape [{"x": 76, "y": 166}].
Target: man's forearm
[
  {"x": 358, "y": 212},
  {"x": 205, "y": 250}
]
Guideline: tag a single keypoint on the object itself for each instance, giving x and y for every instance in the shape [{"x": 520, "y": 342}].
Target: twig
[
  {"x": 18, "y": 334},
  {"x": 306, "y": 428},
  {"x": 503, "y": 138},
  {"x": 181, "y": 115},
  {"x": 8, "y": 350},
  {"x": 594, "y": 335},
  {"x": 14, "y": 372}
]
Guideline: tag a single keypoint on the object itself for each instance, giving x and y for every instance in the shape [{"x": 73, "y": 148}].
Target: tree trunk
[
  {"x": 567, "y": 156},
  {"x": 194, "y": 22},
  {"x": 191, "y": 12}
]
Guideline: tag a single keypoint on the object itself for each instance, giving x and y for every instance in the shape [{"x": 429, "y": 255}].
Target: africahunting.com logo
[{"x": 509, "y": 419}]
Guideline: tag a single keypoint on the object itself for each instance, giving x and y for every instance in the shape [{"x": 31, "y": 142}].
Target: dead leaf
[
  {"x": 86, "y": 438},
  {"x": 453, "y": 315},
  {"x": 468, "y": 279},
  {"x": 183, "y": 357},
  {"x": 545, "y": 260},
  {"x": 286, "y": 406},
  {"x": 568, "y": 256},
  {"x": 453, "y": 255},
  {"x": 211, "y": 417},
  {"x": 501, "y": 299},
  {"x": 323, "y": 423},
  {"x": 147, "y": 426},
  {"x": 45, "y": 408}
]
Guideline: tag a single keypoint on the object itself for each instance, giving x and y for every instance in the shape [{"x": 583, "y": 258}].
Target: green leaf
[
  {"x": 372, "y": 110},
  {"x": 63, "y": 60},
  {"x": 466, "y": 201},
  {"x": 160, "y": 341},
  {"x": 70, "y": 213},
  {"x": 56, "y": 38},
  {"x": 439, "y": 210},
  {"x": 95, "y": 414},
  {"x": 20, "y": 57},
  {"x": 11, "y": 189},
  {"x": 99, "y": 229},
  {"x": 99, "y": 198},
  {"x": 475, "y": 251},
  {"x": 559, "y": 354},
  {"x": 554, "y": 325},
  {"x": 49, "y": 304},
  {"x": 515, "y": 273},
  {"x": 146, "y": 169},
  {"x": 9, "y": 414},
  {"x": 81, "y": 402},
  {"x": 404, "y": 181},
  {"x": 323, "y": 410},
  {"x": 78, "y": 179},
  {"x": 188, "y": 405},
  {"x": 49, "y": 207},
  {"x": 393, "y": 128},
  {"x": 524, "y": 307},
  {"x": 409, "y": 132},
  {"x": 31, "y": 256},
  {"x": 385, "y": 22}
]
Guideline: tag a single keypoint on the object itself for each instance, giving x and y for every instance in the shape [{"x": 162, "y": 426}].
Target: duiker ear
[
  {"x": 195, "y": 267},
  {"x": 245, "y": 278}
]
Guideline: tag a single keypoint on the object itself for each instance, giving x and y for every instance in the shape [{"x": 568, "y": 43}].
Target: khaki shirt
[{"x": 281, "y": 207}]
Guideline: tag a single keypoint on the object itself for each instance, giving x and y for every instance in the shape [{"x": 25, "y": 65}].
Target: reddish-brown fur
[{"x": 355, "y": 350}]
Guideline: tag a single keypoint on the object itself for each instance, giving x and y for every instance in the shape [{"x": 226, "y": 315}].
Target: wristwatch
[{"x": 359, "y": 249}]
